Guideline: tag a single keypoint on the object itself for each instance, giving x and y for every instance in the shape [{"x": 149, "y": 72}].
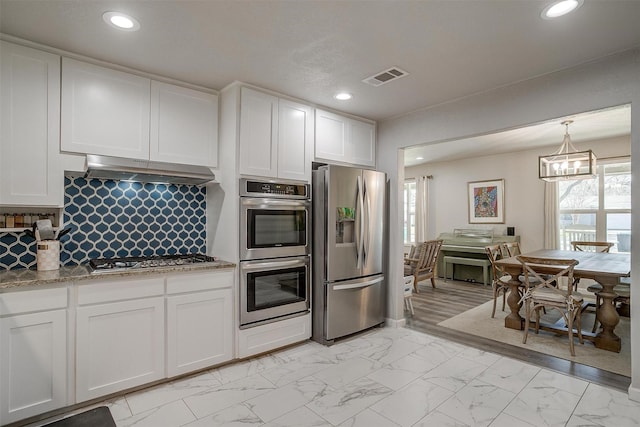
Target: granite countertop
[{"x": 13, "y": 279}]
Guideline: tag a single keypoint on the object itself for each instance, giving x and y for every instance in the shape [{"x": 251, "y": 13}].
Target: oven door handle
[
  {"x": 294, "y": 204},
  {"x": 358, "y": 285},
  {"x": 272, "y": 265}
]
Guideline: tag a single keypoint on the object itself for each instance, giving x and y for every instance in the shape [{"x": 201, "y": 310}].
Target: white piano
[{"x": 469, "y": 243}]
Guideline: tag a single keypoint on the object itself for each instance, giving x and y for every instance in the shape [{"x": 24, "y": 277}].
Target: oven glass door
[
  {"x": 274, "y": 288},
  {"x": 274, "y": 228}
]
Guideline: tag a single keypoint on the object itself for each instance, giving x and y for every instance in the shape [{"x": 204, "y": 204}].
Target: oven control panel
[{"x": 273, "y": 189}]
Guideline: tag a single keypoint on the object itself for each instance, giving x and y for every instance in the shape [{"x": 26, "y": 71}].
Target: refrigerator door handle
[
  {"x": 358, "y": 285},
  {"x": 359, "y": 223},
  {"x": 367, "y": 225}
]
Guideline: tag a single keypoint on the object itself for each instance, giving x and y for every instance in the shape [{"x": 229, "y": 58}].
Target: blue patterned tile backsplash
[{"x": 118, "y": 219}]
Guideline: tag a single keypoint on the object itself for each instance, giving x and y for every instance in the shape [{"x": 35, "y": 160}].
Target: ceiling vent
[{"x": 386, "y": 76}]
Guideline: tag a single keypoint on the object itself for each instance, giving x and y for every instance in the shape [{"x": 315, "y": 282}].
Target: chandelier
[{"x": 567, "y": 162}]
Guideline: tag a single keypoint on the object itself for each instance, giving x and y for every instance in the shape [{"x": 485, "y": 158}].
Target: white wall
[
  {"x": 614, "y": 80},
  {"x": 523, "y": 195}
]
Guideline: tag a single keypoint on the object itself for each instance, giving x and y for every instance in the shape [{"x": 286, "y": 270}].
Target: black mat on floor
[{"x": 98, "y": 417}]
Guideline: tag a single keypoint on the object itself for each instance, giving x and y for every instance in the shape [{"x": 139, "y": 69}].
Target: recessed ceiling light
[
  {"x": 121, "y": 21},
  {"x": 419, "y": 158},
  {"x": 559, "y": 8},
  {"x": 343, "y": 96}
]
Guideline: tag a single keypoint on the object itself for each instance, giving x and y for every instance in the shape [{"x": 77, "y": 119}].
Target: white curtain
[
  {"x": 422, "y": 208},
  {"x": 551, "y": 215}
]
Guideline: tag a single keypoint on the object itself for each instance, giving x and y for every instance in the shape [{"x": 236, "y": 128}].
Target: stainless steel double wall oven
[{"x": 275, "y": 234}]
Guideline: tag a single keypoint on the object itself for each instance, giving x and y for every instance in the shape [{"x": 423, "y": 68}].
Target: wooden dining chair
[
  {"x": 585, "y": 246},
  {"x": 423, "y": 265},
  {"x": 499, "y": 277},
  {"x": 549, "y": 293},
  {"x": 510, "y": 249}
]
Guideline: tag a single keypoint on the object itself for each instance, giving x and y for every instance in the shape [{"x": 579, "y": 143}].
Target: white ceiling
[
  {"x": 312, "y": 49},
  {"x": 592, "y": 126}
]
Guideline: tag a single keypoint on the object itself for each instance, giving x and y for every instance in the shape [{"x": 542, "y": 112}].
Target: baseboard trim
[
  {"x": 392, "y": 323},
  {"x": 634, "y": 393}
]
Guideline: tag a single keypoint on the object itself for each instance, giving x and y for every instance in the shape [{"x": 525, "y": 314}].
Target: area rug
[
  {"x": 478, "y": 321},
  {"x": 98, "y": 417}
]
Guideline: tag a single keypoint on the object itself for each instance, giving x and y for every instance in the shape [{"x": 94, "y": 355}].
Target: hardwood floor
[{"x": 432, "y": 306}]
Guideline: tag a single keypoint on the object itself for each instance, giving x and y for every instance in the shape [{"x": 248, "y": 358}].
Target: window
[
  {"x": 409, "y": 212},
  {"x": 598, "y": 208}
]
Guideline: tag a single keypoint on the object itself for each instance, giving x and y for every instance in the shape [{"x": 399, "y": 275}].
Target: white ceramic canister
[{"x": 48, "y": 255}]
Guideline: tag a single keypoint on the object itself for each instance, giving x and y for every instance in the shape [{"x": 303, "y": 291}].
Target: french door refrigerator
[{"x": 348, "y": 225}]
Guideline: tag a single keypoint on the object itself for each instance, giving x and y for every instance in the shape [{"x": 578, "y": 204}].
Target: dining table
[{"x": 604, "y": 268}]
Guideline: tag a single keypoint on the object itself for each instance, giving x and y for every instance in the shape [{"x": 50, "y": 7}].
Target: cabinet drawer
[
  {"x": 35, "y": 300},
  {"x": 119, "y": 289},
  {"x": 199, "y": 281}
]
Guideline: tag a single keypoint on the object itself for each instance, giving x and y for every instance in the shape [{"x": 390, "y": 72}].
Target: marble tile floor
[{"x": 383, "y": 377}]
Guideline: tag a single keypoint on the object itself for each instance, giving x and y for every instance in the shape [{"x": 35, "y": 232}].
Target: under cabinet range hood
[{"x": 122, "y": 169}]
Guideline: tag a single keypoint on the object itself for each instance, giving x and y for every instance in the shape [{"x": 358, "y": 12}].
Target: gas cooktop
[{"x": 106, "y": 265}]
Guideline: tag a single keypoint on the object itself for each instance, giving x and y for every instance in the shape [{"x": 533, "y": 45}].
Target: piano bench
[{"x": 453, "y": 260}]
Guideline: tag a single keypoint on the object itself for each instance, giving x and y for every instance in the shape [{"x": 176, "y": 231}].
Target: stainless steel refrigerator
[{"x": 348, "y": 240}]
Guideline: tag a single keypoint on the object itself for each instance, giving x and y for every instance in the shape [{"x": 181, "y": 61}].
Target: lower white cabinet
[
  {"x": 33, "y": 353},
  {"x": 199, "y": 330},
  {"x": 274, "y": 335},
  {"x": 119, "y": 344},
  {"x": 199, "y": 320}
]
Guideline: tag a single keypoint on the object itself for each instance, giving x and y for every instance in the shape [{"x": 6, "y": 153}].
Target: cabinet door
[
  {"x": 331, "y": 136},
  {"x": 199, "y": 330},
  {"x": 295, "y": 140},
  {"x": 118, "y": 345},
  {"x": 258, "y": 133},
  {"x": 30, "y": 165},
  {"x": 104, "y": 111},
  {"x": 184, "y": 125},
  {"x": 33, "y": 372},
  {"x": 362, "y": 144}
]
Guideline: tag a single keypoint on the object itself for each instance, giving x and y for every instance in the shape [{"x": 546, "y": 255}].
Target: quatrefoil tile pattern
[{"x": 118, "y": 219}]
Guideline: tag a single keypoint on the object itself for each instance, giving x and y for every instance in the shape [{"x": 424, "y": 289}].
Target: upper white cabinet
[
  {"x": 114, "y": 113},
  {"x": 184, "y": 125},
  {"x": 276, "y": 136},
  {"x": 30, "y": 167},
  {"x": 104, "y": 111},
  {"x": 33, "y": 351},
  {"x": 344, "y": 139}
]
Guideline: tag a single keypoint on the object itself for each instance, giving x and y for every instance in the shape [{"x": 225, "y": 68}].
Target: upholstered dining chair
[
  {"x": 500, "y": 277},
  {"x": 423, "y": 265},
  {"x": 549, "y": 292}
]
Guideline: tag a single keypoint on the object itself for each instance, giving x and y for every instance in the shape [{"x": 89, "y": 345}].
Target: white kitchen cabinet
[
  {"x": 104, "y": 111},
  {"x": 33, "y": 353},
  {"x": 199, "y": 321},
  {"x": 114, "y": 113},
  {"x": 119, "y": 335},
  {"x": 263, "y": 338},
  {"x": 295, "y": 140},
  {"x": 276, "y": 136},
  {"x": 31, "y": 171},
  {"x": 184, "y": 125},
  {"x": 344, "y": 139}
]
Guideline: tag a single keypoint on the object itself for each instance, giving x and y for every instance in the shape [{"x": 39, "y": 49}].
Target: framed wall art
[{"x": 486, "y": 202}]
